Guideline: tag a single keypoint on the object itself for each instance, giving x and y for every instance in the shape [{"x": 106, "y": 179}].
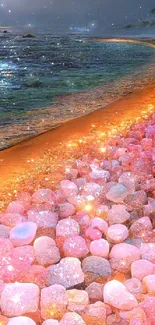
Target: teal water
[{"x": 35, "y": 72}]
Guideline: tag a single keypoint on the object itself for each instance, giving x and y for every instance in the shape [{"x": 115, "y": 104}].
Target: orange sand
[{"x": 41, "y": 161}]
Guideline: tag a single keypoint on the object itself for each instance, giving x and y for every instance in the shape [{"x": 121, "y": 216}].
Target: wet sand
[{"x": 41, "y": 161}]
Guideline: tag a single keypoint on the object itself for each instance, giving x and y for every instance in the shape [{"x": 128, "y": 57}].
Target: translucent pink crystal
[
  {"x": 116, "y": 295},
  {"x": 45, "y": 250},
  {"x": 53, "y": 301},
  {"x": 117, "y": 193},
  {"x": 19, "y": 298},
  {"x": 23, "y": 234},
  {"x": 35, "y": 274},
  {"x": 75, "y": 247},
  {"x": 141, "y": 268},
  {"x": 43, "y": 219},
  {"x": 118, "y": 214},
  {"x": 44, "y": 196},
  {"x": 117, "y": 233},
  {"x": 12, "y": 219},
  {"x": 99, "y": 247},
  {"x": 22, "y": 320},
  {"x": 67, "y": 227},
  {"x": 122, "y": 255},
  {"x": 50, "y": 322},
  {"x": 148, "y": 306},
  {"x": 67, "y": 273},
  {"x": 72, "y": 319},
  {"x": 93, "y": 233},
  {"x": 92, "y": 189},
  {"x": 78, "y": 300},
  {"x": 133, "y": 285},
  {"x": 4, "y": 231},
  {"x": 96, "y": 311},
  {"x": 136, "y": 199},
  {"x": 69, "y": 188},
  {"x": 99, "y": 176},
  {"x": 128, "y": 180},
  {"x": 15, "y": 207}
]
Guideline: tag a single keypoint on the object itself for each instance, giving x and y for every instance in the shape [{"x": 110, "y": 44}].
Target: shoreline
[{"x": 31, "y": 163}]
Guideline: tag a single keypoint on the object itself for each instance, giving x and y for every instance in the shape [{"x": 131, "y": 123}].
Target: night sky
[{"x": 93, "y": 14}]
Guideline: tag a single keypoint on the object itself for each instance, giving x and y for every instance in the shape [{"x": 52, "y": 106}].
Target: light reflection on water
[{"x": 34, "y": 73}]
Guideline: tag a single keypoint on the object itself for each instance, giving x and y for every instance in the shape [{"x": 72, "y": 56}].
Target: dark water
[{"x": 34, "y": 72}]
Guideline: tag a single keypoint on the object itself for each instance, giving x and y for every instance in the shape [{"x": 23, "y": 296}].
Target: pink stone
[
  {"x": 133, "y": 285},
  {"x": 19, "y": 298},
  {"x": 4, "y": 231},
  {"x": 140, "y": 226},
  {"x": 67, "y": 273},
  {"x": 117, "y": 233},
  {"x": 93, "y": 234},
  {"x": 128, "y": 180},
  {"x": 118, "y": 214},
  {"x": 92, "y": 189},
  {"x": 6, "y": 247},
  {"x": 149, "y": 284},
  {"x": 141, "y": 268},
  {"x": 15, "y": 207},
  {"x": 95, "y": 291},
  {"x": 44, "y": 196},
  {"x": 78, "y": 300},
  {"x": 150, "y": 207},
  {"x": 136, "y": 316},
  {"x": 100, "y": 224},
  {"x": 117, "y": 193},
  {"x": 97, "y": 266},
  {"x": 12, "y": 219},
  {"x": 97, "y": 311},
  {"x": 66, "y": 210},
  {"x": 122, "y": 255},
  {"x": 25, "y": 199},
  {"x": 35, "y": 274},
  {"x": 72, "y": 319},
  {"x": 25, "y": 254},
  {"x": 50, "y": 322},
  {"x": 45, "y": 250},
  {"x": 59, "y": 197},
  {"x": 69, "y": 188},
  {"x": 116, "y": 295},
  {"x": 99, "y": 176},
  {"x": 147, "y": 251},
  {"x": 75, "y": 247},
  {"x": 43, "y": 219},
  {"x": 22, "y": 320},
  {"x": 67, "y": 227},
  {"x": 102, "y": 211},
  {"x": 54, "y": 301},
  {"x": 99, "y": 247},
  {"x": 23, "y": 234},
  {"x": 146, "y": 144},
  {"x": 148, "y": 306},
  {"x": 136, "y": 199}
]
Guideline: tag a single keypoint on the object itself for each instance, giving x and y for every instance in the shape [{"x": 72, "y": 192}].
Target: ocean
[{"x": 49, "y": 79}]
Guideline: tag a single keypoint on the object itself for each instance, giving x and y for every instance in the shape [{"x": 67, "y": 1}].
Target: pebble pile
[{"x": 85, "y": 253}]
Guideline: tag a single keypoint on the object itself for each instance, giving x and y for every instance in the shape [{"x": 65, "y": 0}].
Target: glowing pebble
[
  {"x": 54, "y": 301},
  {"x": 72, "y": 319},
  {"x": 23, "y": 234},
  {"x": 21, "y": 321}
]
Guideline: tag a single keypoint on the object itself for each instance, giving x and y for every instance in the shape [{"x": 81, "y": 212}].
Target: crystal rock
[
  {"x": 141, "y": 268},
  {"x": 77, "y": 300},
  {"x": 117, "y": 193},
  {"x": 54, "y": 301},
  {"x": 118, "y": 214},
  {"x": 45, "y": 250},
  {"x": 75, "y": 247},
  {"x": 117, "y": 233},
  {"x": 72, "y": 319},
  {"x": 69, "y": 188},
  {"x": 43, "y": 219},
  {"x": 99, "y": 247},
  {"x": 23, "y": 234},
  {"x": 22, "y": 320},
  {"x": 97, "y": 266},
  {"x": 149, "y": 284}
]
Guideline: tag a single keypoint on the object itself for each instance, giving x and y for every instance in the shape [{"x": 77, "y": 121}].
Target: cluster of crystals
[{"x": 85, "y": 253}]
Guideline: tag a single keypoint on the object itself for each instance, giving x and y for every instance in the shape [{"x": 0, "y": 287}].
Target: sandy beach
[{"x": 41, "y": 161}]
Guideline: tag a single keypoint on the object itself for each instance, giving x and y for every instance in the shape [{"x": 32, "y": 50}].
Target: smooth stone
[
  {"x": 22, "y": 320},
  {"x": 147, "y": 251},
  {"x": 18, "y": 299},
  {"x": 66, "y": 210},
  {"x": 95, "y": 292},
  {"x": 95, "y": 313},
  {"x": 53, "y": 302},
  {"x": 45, "y": 250},
  {"x": 100, "y": 248},
  {"x": 97, "y": 266},
  {"x": 67, "y": 227},
  {"x": 69, "y": 188},
  {"x": 117, "y": 233},
  {"x": 117, "y": 193},
  {"x": 75, "y": 247},
  {"x": 122, "y": 255},
  {"x": 72, "y": 319},
  {"x": 23, "y": 234},
  {"x": 78, "y": 300},
  {"x": 118, "y": 214},
  {"x": 149, "y": 284},
  {"x": 67, "y": 273},
  {"x": 115, "y": 294},
  {"x": 43, "y": 219},
  {"x": 93, "y": 233},
  {"x": 100, "y": 224},
  {"x": 128, "y": 180},
  {"x": 141, "y": 268},
  {"x": 133, "y": 285},
  {"x": 50, "y": 322}
]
